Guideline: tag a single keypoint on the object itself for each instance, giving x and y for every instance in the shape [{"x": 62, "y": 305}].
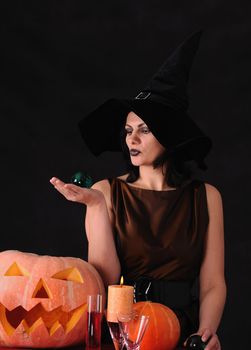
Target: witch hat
[
  {"x": 169, "y": 84},
  {"x": 162, "y": 104}
]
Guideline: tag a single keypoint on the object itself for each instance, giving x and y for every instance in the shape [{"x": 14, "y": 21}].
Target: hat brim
[{"x": 175, "y": 130}]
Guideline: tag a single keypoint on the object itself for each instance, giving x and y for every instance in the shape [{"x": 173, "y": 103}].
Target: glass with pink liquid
[{"x": 94, "y": 318}]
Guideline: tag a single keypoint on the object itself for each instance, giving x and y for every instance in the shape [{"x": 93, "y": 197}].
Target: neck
[{"x": 151, "y": 178}]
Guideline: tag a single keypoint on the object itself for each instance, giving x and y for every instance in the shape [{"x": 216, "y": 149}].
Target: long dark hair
[{"x": 179, "y": 171}]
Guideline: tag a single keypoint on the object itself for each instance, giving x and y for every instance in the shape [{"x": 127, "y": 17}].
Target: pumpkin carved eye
[
  {"x": 16, "y": 270},
  {"x": 70, "y": 274}
]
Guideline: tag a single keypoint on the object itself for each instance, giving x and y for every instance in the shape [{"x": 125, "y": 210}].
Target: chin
[{"x": 136, "y": 162}]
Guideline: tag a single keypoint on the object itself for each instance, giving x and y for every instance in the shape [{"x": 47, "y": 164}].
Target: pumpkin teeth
[
  {"x": 77, "y": 314},
  {"x": 36, "y": 324},
  {"x": 30, "y": 320},
  {"x": 6, "y": 325},
  {"x": 55, "y": 327}
]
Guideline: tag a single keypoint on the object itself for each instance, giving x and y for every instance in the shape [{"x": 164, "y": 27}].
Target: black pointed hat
[{"x": 162, "y": 104}]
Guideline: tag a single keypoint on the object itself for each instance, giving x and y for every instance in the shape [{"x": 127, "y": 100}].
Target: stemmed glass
[
  {"x": 115, "y": 332},
  {"x": 132, "y": 327}
]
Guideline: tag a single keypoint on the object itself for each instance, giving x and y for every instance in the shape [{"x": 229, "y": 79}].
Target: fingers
[
  {"x": 214, "y": 343},
  {"x": 69, "y": 191},
  {"x": 206, "y": 336},
  {"x": 86, "y": 196},
  {"x": 212, "y": 340},
  {"x": 56, "y": 182}
]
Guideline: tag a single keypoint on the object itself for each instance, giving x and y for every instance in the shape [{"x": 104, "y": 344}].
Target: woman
[{"x": 155, "y": 225}]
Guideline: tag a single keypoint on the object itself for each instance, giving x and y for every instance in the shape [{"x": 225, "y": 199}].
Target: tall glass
[{"x": 94, "y": 318}]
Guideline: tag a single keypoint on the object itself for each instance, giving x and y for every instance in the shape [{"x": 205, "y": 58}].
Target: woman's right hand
[{"x": 87, "y": 196}]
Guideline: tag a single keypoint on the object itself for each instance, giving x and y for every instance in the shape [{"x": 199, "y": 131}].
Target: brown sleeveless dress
[
  {"x": 160, "y": 234},
  {"x": 160, "y": 237}
]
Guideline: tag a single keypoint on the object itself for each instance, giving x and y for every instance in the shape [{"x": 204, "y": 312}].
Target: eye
[
  {"x": 128, "y": 131},
  {"x": 16, "y": 270},
  {"x": 70, "y": 274},
  {"x": 145, "y": 130}
]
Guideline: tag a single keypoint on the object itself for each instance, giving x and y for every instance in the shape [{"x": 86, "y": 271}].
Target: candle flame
[{"x": 121, "y": 280}]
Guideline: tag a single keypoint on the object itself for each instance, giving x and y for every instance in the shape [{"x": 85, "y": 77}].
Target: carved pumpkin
[
  {"x": 43, "y": 299},
  {"x": 163, "y": 330}
]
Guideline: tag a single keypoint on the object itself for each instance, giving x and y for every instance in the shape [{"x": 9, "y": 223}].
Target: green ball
[
  {"x": 195, "y": 342},
  {"x": 82, "y": 179}
]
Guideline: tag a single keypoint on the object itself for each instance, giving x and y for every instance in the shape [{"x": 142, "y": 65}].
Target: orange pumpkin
[
  {"x": 163, "y": 330},
  {"x": 43, "y": 299}
]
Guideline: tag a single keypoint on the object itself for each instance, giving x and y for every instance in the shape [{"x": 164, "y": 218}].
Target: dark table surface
[{"x": 80, "y": 347}]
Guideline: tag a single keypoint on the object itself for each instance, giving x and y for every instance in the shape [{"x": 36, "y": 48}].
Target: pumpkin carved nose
[{"x": 41, "y": 290}]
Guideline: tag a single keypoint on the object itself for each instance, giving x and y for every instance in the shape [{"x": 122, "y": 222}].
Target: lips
[
  {"x": 52, "y": 320},
  {"x": 134, "y": 152}
]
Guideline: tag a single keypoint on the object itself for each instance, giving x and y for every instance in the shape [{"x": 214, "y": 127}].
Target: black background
[{"x": 60, "y": 59}]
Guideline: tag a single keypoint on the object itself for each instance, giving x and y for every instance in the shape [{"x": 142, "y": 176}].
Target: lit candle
[{"x": 119, "y": 300}]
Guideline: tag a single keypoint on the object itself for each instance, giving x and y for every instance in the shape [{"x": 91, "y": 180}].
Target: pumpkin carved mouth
[{"x": 30, "y": 320}]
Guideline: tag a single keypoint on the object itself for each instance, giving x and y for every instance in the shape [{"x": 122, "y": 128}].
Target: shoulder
[
  {"x": 102, "y": 185},
  {"x": 105, "y": 187},
  {"x": 214, "y": 198},
  {"x": 212, "y": 192}
]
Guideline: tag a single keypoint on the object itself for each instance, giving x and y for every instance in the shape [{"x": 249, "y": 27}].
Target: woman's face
[{"x": 143, "y": 146}]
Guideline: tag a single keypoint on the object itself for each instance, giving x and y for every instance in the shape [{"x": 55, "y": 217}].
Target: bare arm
[
  {"x": 212, "y": 281},
  {"x": 101, "y": 250}
]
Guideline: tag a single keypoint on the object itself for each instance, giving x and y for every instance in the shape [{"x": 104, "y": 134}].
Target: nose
[
  {"x": 41, "y": 290},
  {"x": 134, "y": 138}
]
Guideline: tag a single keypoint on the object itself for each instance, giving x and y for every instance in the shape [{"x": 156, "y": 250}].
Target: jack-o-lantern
[{"x": 43, "y": 299}]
